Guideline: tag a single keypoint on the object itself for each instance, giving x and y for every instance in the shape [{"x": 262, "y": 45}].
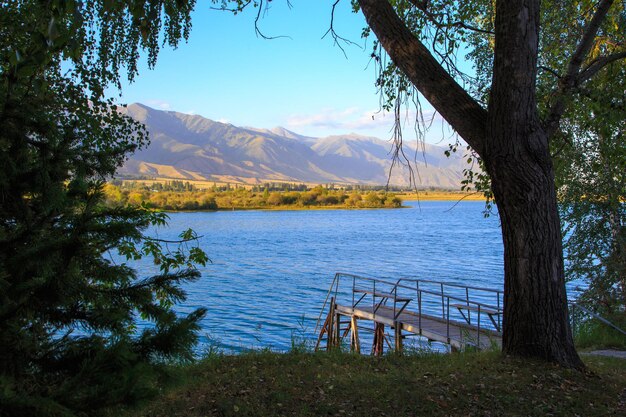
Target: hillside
[{"x": 187, "y": 146}]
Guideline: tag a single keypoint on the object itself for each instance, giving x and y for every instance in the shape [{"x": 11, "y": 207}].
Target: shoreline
[
  {"x": 284, "y": 208},
  {"x": 325, "y": 208},
  {"x": 441, "y": 196}
]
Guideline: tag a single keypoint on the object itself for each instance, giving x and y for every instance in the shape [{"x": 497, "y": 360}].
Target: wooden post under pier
[
  {"x": 355, "y": 343},
  {"x": 398, "y": 336}
]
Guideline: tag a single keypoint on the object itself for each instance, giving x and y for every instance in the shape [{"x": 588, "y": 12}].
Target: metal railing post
[
  {"x": 374, "y": 298},
  {"x": 443, "y": 304},
  {"x": 394, "y": 292},
  {"x": 469, "y": 313},
  {"x": 499, "y": 315},
  {"x": 330, "y": 290},
  {"x": 419, "y": 306},
  {"x": 353, "y": 287},
  {"x": 448, "y": 321},
  {"x": 478, "y": 341}
]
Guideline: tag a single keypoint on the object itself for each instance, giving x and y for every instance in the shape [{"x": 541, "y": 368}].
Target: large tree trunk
[
  {"x": 535, "y": 302},
  {"x": 510, "y": 139},
  {"x": 518, "y": 161}
]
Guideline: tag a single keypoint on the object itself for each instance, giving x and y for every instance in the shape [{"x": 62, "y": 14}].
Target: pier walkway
[{"x": 457, "y": 315}]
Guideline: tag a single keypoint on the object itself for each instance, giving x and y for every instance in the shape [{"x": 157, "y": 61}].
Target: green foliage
[
  {"x": 70, "y": 304},
  {"x": 592, "y": 334},
  {"x": 588, "y": 150},
  {"x": 591, "y": 175}
]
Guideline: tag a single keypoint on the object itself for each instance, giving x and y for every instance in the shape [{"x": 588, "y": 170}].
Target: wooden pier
[{"x": 457, "y": 315}]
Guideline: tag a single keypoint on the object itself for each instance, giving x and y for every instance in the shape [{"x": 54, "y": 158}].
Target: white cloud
[
  {"x": 353, "y": 119},
  {"x": 347, "y": 119}
]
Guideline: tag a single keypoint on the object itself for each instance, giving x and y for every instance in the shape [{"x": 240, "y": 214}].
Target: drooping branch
[
  {"x": 338, "y": 39},
  {"x": 261, "y": 5},
  {"x": 422, "y": 5},
  {"x": 571, "y": 79},
  {"x": 459, "y": 109}
]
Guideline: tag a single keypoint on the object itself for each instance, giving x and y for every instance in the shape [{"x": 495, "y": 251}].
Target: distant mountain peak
[{"x": 194, "y": 147}]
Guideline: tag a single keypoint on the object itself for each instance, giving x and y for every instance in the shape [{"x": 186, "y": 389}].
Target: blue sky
[{"x": 305, "y": 83}]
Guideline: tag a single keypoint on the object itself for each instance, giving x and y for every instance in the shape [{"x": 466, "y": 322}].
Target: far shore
[
  {"x": 441, "y": 196},
  {"x": 405, "y": 198},
  {"x": 284, "y": 208},
  {"x": 184, "y": 196}
]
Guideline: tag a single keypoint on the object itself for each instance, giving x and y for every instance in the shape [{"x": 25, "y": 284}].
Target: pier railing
[{"x": 478, "y": 309}]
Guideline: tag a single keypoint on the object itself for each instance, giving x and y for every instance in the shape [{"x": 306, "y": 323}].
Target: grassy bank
[{"x": 304, "y": 384}]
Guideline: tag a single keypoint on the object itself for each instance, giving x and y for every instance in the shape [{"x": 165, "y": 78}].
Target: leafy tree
[
  {"x": 69, "y": 311},
  {"x": 588, "y": 149},
  {"x": 509, "y": 123},
  {"x": 591, "y": 174}
]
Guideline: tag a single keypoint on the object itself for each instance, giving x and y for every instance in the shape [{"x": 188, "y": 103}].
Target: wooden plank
[{"x": 457, "y": 323}]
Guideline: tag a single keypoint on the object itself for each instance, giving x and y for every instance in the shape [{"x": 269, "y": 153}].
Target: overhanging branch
[{"x": 459, "y": 109}]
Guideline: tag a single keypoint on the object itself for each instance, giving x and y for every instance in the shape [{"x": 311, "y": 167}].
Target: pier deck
[{"x": 456, "y": 315}]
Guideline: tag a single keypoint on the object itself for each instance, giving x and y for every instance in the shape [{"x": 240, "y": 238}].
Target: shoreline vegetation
[{"x": 176, "y": 195}]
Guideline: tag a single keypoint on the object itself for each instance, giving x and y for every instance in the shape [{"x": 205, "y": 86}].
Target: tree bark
[
  {"x": 514, "y": 147},
  {"x": 518, "y": 161},
  {"x": 535, "y": 301}
]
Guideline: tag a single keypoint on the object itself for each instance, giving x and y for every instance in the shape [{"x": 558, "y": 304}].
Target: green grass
[
  {"x": 592, "y": 334},
  {"x": 341, "y": 384}
]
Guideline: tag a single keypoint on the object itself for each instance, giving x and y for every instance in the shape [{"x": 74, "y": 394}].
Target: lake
[{"x": 271, "y": 270}]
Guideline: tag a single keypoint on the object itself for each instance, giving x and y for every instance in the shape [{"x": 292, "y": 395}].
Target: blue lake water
[{"x": 271, "y": 270}]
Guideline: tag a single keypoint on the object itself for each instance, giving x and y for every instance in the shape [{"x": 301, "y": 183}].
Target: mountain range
[{"x": 185, "y": 146}]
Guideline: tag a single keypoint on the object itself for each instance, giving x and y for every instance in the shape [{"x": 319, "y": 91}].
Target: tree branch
[
  {"x": 459, "y": 109},
  {"x": 422, "y": 5},
  {"x": 261, "y": 5},
  {"x": 337, "y": 39},
  {"x": 599, "y": 63},
  {"x": 550, "y": 70},
  {"x": 571, "y": 79}
]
